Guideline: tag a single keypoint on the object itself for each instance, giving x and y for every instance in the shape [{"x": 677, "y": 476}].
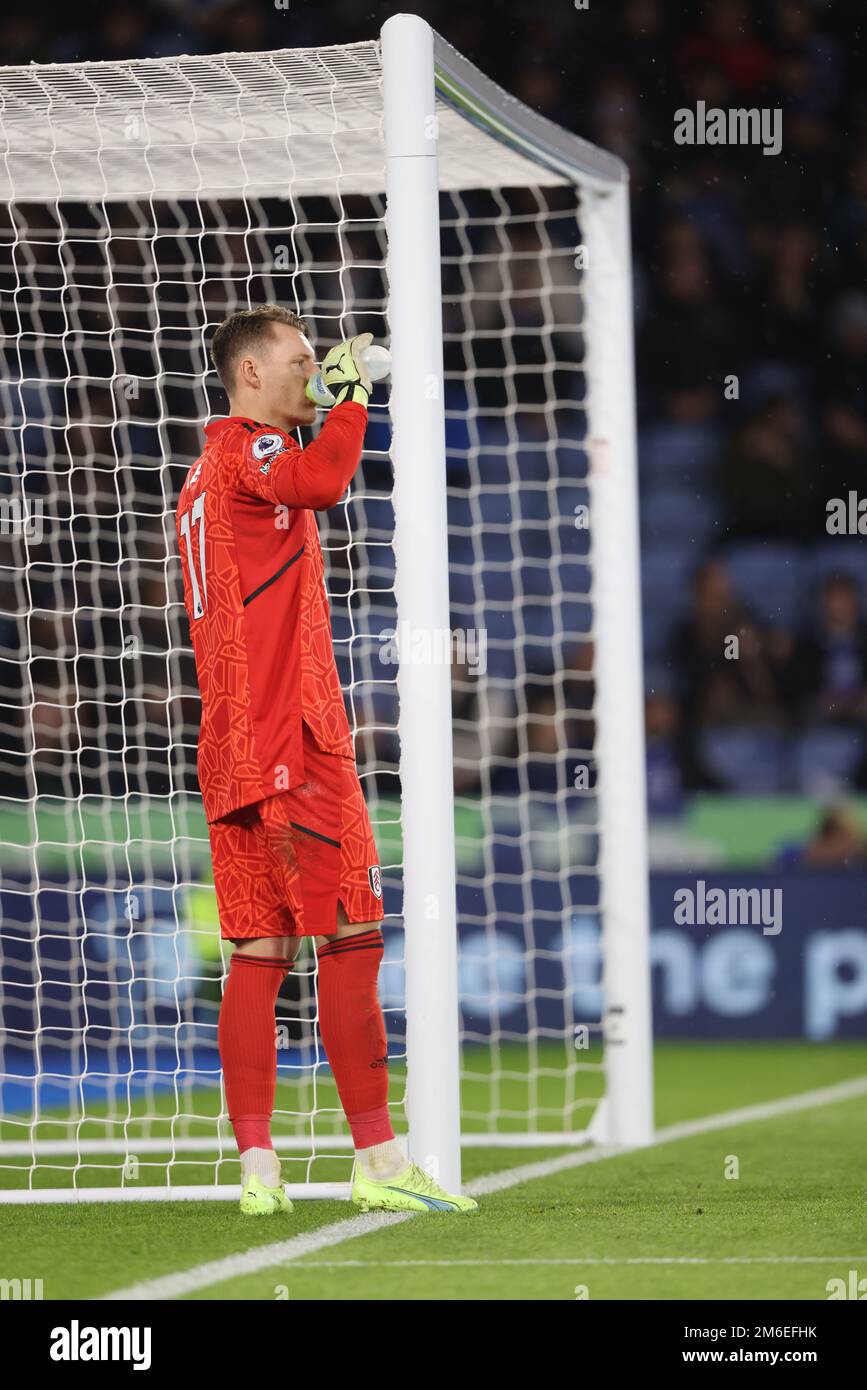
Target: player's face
[{"x": 290, "y": 364}]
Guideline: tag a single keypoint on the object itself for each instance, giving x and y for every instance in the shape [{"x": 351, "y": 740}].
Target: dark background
[{"x": 746, "y": 266}]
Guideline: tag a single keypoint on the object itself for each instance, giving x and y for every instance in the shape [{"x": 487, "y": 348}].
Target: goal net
[{"x": 141, "y": 202}]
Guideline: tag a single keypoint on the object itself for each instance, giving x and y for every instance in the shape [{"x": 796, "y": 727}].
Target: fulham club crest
[{"x": 375, "y": 878}]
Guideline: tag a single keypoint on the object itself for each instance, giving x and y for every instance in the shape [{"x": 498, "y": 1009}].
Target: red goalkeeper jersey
[{"x": 254, "y": 591}]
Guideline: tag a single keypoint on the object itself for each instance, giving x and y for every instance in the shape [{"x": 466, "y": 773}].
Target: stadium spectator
[
  {"x": 838, "y": 842},
  {"x": 844, "y": 396},
  {"x": 483, "y": 723},
  {"x": 786, "y": 319},
  {"x": 686, "y": 308},
  {"x": 827, "y": 674},
  {"x": 767, "y": 476},
  {"x": 723, "y": 682},
  {"x": 809, "y": 60},
  {"x": 728, "y": 45},
  {"x": 672, "y": 767}
]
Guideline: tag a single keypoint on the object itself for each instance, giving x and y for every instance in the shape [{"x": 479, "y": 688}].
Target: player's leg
[
  {"x": 248, "y": 1049},
  {"x": 246, "y": 1029},
  {"x": 353, "y": 1028},
  {"x": 353, "y": 1035}
]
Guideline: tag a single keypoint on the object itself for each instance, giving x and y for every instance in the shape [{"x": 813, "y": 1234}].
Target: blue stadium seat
[
  {"x": 502, "y": 661},
  {"x": 570, "y": 540},
  {"x": 498, "y": 547},
  {"x": 668, "y": 570},
  {"x": 498, "y": 585},
  {"x": 678, "y": 514},
  {"x": 496, "y": 507},
  {"x": 571, "y": 577},
  {"x": 824, "y": 759},
  {"x": 502, "y": 651},
  {"x": 836, "y": 555},
  {"x": 463, "y": 588},
  {"x": 576, "y": 619},
  {"x": 677, "y": 454},
  {"x": 532, "y": 464},
  {"x": 379, "y": 517},
  {"x": 377, "y": 436},
  {"x": 494, "y": 431},
  {"x": 540, "y": 542},
  {"x": 657, "y": 630},
  {"x": 537, "y": 619},
  {"x": 572, "y": 461},
  {"x": 567, "y": 496},
  {"x": 540, "y": 580},
  {"x": 459, "y": 510},
  {"x": 462, "y": 549},
  {"x": 660, "y": 677},
  {"x": 381, "y": 567},
  {"x": 768, "y": 577},
  {"x": 748, "y": 760},
  {"x": 536, "y": 504},
  {"x": 666, "y": 576},
  {"x": 457, "y": 440}
]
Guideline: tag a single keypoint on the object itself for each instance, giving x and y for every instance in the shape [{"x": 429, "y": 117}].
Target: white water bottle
[{"x": 377, "y": 360}]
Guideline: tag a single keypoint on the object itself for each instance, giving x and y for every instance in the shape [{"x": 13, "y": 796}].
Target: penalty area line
[{"x": 289, "y": 1251}]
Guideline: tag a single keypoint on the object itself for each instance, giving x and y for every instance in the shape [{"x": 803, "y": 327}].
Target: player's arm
[{"x": 277, "y": 468}]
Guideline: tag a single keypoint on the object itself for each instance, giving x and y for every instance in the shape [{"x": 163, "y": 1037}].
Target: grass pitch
[{"x": 668, "y": 1222}]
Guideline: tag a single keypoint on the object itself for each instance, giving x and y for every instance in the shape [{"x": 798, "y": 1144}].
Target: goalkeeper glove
[{"x": 344, "y": 373}]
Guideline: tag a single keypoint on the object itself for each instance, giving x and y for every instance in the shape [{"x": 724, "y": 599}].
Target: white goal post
[{"x": 386, "y": 185}]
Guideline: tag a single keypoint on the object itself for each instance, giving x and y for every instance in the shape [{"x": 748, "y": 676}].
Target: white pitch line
[
  {"x": 287, "y": 1251},
  {"x": 687, "y": 1129},
  {"x": 589, "y": 1260},
  {"x": 260, "y": 1257}
]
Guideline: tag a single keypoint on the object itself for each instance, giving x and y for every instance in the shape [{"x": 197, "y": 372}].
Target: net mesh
[{"x": 112, "y": 966}]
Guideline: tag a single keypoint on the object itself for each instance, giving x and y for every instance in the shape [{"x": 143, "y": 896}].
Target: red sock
[
  {"x": 248, "y": 1045},
  {"x": 353, "y": 1033}
]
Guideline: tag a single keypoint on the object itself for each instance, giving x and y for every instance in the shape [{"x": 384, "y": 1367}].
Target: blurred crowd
[{"x": 751, "y": 330}]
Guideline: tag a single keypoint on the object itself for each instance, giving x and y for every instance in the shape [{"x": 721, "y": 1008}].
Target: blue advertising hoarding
[
  {"x": 785, "y": 957},
  {"x": 732, "y": 956}
]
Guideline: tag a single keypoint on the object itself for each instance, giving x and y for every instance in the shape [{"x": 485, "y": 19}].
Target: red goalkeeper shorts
[{"x": 282, "y": 864}]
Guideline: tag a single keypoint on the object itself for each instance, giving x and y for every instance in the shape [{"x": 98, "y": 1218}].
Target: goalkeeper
[{"x": 292, "y": 848}]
